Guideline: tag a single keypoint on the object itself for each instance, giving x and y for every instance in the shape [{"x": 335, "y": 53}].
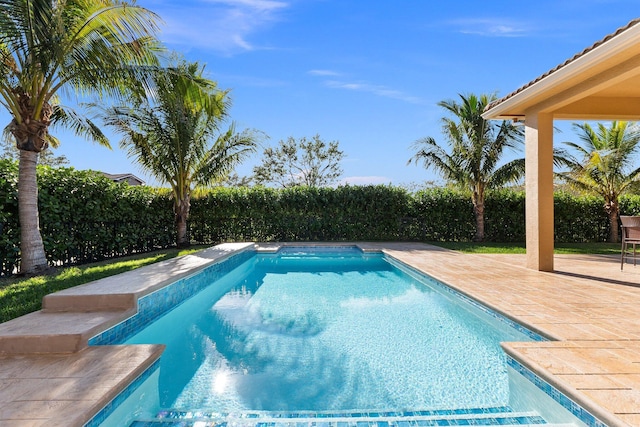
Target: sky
[{"x": 365, "y": 73}]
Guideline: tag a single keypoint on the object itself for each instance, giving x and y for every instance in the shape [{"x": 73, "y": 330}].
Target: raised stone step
[{"x": 42, "y": 333}]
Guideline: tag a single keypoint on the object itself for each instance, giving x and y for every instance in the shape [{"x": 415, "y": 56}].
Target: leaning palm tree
[
  {"x": 175, "y": 135},
  {"x": 604, "y": 164},
  {"x": 49, "y": 47},
  {"x": 473, "y": 151}
]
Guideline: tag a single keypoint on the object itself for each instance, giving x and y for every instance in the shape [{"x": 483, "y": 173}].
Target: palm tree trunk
[
  {"x": 613, "y": 227},
  {"x": 32, "y": 257},
  {"x": 612, "y": 209},
  {"x": 478, "y": 211},
  {"x": 182, "y": 214}
]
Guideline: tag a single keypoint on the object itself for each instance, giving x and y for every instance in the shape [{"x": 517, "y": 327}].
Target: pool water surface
[
  {"x": 332, "y": 330},
  {"x": 326, "y": 333}
]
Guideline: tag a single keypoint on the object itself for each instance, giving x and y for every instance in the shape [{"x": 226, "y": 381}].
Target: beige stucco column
[{"x": 539, "y": 190}]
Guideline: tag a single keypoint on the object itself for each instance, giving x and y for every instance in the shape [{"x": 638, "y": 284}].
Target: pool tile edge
[
  {"x": 526, "y": 364},
  {"x": 117, "y": 395}
]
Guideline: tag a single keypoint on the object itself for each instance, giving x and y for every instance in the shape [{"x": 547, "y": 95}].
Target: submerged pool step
[{"x": 502, "y": 416}]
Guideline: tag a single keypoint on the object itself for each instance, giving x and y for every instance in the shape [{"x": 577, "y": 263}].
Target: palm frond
[
  {"x": 230, "y": 149},
  {"x": 604, "y": 158},
  {"x": 79, "y": 124},
  {"x": 172, "y": 130},
  {"x": 475, "y": 146}
]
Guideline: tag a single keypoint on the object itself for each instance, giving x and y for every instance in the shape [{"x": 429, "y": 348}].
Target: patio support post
[{"x": 539, "y": 190}]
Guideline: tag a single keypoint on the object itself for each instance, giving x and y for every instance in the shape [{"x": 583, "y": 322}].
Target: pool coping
[{"x": 151, "y": 278}]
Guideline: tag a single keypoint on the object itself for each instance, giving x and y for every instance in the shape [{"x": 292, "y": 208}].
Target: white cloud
[
  {"x": 323, "y": 73},
  {"x": 365, "y": 180},
  {"x": 375, "y": 90},
  {"x": 254, "y": 4},
  {"x": 220, "y": 25},
  {"x": 492, "y": 27}
]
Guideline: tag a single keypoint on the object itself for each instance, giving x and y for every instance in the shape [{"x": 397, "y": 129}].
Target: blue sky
[{"x": 365, "y": 73}]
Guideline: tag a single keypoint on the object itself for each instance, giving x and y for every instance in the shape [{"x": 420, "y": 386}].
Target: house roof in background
[{"x": 129, "y": 178}]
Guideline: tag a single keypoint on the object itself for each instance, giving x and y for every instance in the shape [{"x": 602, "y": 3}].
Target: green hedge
[
  {"x": 85, "y": 217},
  {"x": 441, "y": 214},
  {"x": 9, "y": 228},
  {"x": 384, "y": 213},
  {"x": 299, "y": 213}
]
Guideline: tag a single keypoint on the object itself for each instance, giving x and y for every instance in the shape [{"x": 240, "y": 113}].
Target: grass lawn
[
  {"x": 519, "y": 248},
  {"x": 19, "y": 296}
]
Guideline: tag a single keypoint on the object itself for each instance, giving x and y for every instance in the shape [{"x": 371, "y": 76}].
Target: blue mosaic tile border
[
  {"x": 577, "y": 410},
  {"x": 108, "y": 409},
  {"x": 155, "y": 304},
  {"x": 523, "y": 421},
  {"x": 177, "y": 414},
  {"x": 424, "y": 277},
  {"x": 320, "y": 249},
  {"x": 462, "y": 417}
]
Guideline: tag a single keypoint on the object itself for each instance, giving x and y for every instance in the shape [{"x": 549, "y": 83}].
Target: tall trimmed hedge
[
  {"x": 299, "y": 213},
  {"x": 441, "y": 214},
  {"x": 85, "y": 217},
  {"x": 9, "y": 228}
]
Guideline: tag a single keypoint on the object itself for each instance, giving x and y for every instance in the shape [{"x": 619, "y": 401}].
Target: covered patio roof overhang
[{"x": 600, "y": 83}]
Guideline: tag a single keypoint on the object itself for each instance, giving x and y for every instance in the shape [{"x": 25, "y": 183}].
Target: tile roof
[
  {"x": 127, "y": 177},
  {"x": 565, "y": 63}
]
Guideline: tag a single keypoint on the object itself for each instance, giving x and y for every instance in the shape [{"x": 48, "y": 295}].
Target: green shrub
[
  {"x": 298, "y": 213},
  {"x": 504, "y": 216},
  {"x": 9, "y": 224},
  {"x": 579, "y": 218},
  {"x": 442, "y": 214}
]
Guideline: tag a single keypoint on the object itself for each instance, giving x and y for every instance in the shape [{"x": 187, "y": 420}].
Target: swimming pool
[{"x": 332, "y": 332}]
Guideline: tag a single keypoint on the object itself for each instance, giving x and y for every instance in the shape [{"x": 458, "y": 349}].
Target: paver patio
[{"x": 587, "y": 305}]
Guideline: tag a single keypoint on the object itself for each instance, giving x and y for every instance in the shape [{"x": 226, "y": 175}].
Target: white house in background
[{"x": 129, "y": 178}]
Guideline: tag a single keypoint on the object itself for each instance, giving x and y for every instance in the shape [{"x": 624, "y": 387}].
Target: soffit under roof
[{"x": 600, "y": 83}]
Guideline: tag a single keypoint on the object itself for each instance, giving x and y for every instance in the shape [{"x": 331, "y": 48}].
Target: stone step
[{"x": 44, "y": 333}]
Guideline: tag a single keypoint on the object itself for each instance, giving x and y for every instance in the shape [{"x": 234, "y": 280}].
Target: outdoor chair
[{"x": 630, "y": 237}]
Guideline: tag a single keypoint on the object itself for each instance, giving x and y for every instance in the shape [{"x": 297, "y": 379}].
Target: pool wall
[
  {"x": 115, "y": 404},
  {"x": 575, "y": 408}
]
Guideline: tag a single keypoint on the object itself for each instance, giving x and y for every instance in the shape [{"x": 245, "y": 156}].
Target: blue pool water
[
  {"x": 325, "y": 333},
  {"x": 330, "y": 331}
]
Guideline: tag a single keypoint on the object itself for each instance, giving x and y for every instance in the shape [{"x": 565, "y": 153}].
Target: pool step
[{"x": 501, "y": 416}]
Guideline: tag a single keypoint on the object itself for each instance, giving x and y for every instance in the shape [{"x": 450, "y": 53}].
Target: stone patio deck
[{"x": 587, "y": 305}]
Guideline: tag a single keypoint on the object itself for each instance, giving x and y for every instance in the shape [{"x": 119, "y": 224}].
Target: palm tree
[
  {"x": 176, "y": 135},
  {"x": 48, "y": 47},
  {"x": 604, "y": 165},
  {"x": 474, "y": 149}
]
